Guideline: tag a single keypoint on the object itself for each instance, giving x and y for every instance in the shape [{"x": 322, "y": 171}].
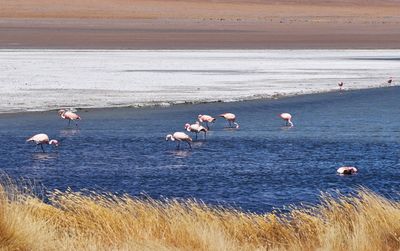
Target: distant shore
[
  {"x": 186, "y": 24},
  {"x": 39, "y": 80}
]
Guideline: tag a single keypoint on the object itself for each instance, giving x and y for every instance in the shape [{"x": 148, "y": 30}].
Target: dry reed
[{"x": 90, "y": 221}]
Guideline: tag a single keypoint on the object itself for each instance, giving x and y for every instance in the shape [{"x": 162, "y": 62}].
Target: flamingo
[
  {"x": 347, "y": 170},
  {"x": 288, "y": 118},
  {"x": 179, "y": 137},
  {"x": 196, "y": 128},
  {"x": 231, "y": 118},
  {"x": 41, "y": 139},
  {"x": 67, "y": 114},
  {"x": 206, "y": 119},
  {"x": 340, "y": 85}
]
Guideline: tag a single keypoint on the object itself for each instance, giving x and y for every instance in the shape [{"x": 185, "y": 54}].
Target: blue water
[{"x": 261, "y": 166}]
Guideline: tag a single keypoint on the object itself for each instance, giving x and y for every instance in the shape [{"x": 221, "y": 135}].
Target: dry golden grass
[{"x": 75, "y": 221}]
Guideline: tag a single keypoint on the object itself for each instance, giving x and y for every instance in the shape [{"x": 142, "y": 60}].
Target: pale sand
[
  {"x": 142, "y": 24},
  {"x": 34, "y": 80}
]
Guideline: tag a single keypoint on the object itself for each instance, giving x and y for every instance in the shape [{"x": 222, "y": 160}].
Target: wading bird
[
  {"x": 340, "y": 86},
  {"x": 69, "y": 115},
  {"x": 231, "y": 118},
  {"x": 288, "y": 118},
  {"x": 196, "y": 128},
  {"x": 347, "y": 170},
  {"x": 42, "y": 139},
  {"x": 206, "y": 119},
  {"x": 179, "y": 137}
]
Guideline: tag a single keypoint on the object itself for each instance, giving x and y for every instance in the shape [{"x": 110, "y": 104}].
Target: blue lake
[{"x": 261, "y": 166}]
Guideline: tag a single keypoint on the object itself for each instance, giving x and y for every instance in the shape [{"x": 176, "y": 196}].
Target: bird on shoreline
[
  {"x": 231, "y": 118},
  {"x": 196, "y": 128},
  {"x": 341, "y": 84},
  {"x": 347, "y": 170},
  {"x": 206, "y": 119},
  {"x": 179, "y": 137},
  {"x": 42, "y": 139},
  {"x": 69, "y": 115},
  {"x": 288, "y": 118}
]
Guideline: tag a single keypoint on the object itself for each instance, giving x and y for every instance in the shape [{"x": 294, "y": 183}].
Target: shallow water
[{"x": 261, "y": 166}]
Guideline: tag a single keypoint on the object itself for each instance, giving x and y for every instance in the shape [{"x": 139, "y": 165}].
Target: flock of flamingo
[{"x": 196, "y": 128}]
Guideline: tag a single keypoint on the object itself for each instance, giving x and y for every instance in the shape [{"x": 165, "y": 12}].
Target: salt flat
[{"x": 33, "y": 80}]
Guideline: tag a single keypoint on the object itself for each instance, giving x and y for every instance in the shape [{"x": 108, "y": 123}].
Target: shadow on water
[{"x": 261, "y": 166}]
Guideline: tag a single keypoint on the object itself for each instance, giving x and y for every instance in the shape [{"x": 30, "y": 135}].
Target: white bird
[
  {"x": 347, "y": 170},
  {"x": 179, "y": 137},
  {"x": 231, "y": 118},
  {"x": 42, "y": 139},
  {"x": 288, "y": 118},
  {"x": 196, "y": 128}
]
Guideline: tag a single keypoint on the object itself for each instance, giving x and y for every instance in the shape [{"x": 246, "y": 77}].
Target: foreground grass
[{"x": 74, "y": 221}]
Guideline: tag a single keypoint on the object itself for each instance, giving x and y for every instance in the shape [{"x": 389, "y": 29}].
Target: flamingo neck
[
  {"x": 236, "y": 124},
  {"x": 290, "y": 122}
]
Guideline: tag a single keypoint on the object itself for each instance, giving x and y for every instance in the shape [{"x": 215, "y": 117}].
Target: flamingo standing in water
[
  {"x": 206, "y": 119},
  {"x": 66, "y": 114},
  {"x": 196, "y": 128},
  {"x": 42, "y": 139},
  {"x": 288, "y": 118},
  {"x": 347, "y": 170},
  {"x": 179, "y": 137},
  {"x": 231, "y": 118}
]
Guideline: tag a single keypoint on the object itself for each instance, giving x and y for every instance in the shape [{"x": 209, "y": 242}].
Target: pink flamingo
[
  {"x": 288, "y": 118},
  {"x": 206, "y": 119},
  {"x": 179, "y": 137},
  {"x": 42, "y": 139},
  {"x": 231, "y": 118},
  {"x": 196, "y": 128},
  {"x": 347, "y": 170},
  {"x": 64, "y": 114}
]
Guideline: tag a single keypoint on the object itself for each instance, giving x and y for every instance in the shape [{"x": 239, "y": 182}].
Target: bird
[
  {"x": 288, "y": 118},
  {"x": 196, "y": 128},
  {"x": 340, "y": 85},
  {"x": 206, "y": 119},
  {"x": 42, "y": 139},
  {"x": 67, "y": 114},
  {"x": 347, "y": 170},
  {"x": 231, "y": 118},
  {"x": 179, "y": 137},
  {"x": 390, "y": 80}
]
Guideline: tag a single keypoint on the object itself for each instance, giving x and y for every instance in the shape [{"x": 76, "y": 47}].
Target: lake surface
[{"x": 261, "y": 166}]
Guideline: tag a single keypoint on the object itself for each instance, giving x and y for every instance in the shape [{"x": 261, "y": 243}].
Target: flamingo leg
[
  {"x": 178, "y": 145},
  {"x": 41, "y": 145},
  {"x": 205, "y": 135},
  {"x": 69, "y": 122},
  {"x": 190, "y": 146},
  {"x": 196, "y": 135},
  {"x": 208, "y": 128}
]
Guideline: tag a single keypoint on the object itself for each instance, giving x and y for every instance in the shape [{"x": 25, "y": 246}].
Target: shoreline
[
  {"x": 40, "y": 80},
  {"x": 168, "y": 105}
]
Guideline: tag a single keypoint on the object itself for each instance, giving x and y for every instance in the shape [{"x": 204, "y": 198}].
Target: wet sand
[{"x": 111, "y": 24}]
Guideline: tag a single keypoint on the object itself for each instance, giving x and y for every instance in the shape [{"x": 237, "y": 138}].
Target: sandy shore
[
  {"x": 140, "y": 24},
  {"x": 34, "y": 80}
]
